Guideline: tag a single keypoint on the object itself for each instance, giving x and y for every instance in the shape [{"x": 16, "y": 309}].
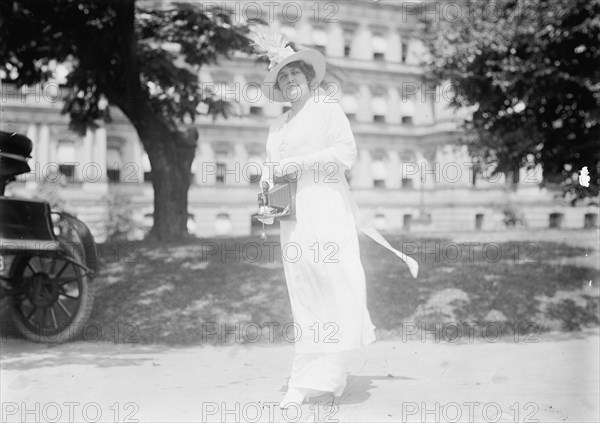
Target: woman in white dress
[{"x": 321, "y": 258}]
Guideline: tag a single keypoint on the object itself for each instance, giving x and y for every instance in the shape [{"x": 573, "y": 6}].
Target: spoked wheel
[{"x": 53, "y": 297}]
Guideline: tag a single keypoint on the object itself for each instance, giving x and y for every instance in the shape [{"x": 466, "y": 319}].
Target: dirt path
[{"x": 555, "y": 379}]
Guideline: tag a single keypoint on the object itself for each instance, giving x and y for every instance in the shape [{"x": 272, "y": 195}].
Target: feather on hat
[{"x": 275, "y": 47}]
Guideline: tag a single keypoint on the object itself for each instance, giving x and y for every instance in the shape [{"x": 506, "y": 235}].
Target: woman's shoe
[{"x": 294, "y": 396}]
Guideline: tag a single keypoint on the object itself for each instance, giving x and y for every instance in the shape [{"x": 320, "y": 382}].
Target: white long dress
[{"x": 321, "y": 258}]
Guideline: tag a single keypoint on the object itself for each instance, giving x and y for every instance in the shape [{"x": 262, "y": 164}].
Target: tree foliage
[
  {"x": 144, "y": 60},
  {"x": 531, "y": 71}
]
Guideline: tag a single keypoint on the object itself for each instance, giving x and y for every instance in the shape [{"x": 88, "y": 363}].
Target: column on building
[
  {"x": 32, "y": 134},
  {"x": 240, "y": 160},
  {"x": 335, "y": 36},
  {"x": 379, "y": 42},
  {"x": 206, "y": 83},
  {"x": 394, "y": 47},
  {"x": 393, "y": 106},
  {"x": 100, "y": 152},
  {"x": 379, "y": 104},
  {"x": 364, "y": 100},
  {"x": 394, "y": 170},
  {"x": 245, "y": 94},
  {"x": 349, "y": 103},
  {"x": 87, "y": 170},
  {"x": 379, "y": 169},
  {"x": 256, "y": 159},
  {"x": 320, "y": 39},
  {"x": 206, "y": 167},
  {"x": 304, "y": 32},
  {"x": 362, "y": 46},
  {"x": 426, "y": 160},
  {"x": 134, "y": 160},
  {"x": 43, "y": 150},
  {"x": 423, "y": 109},
  {"x": 406, "y": 106},
  {"x": 361, "y": 173}
]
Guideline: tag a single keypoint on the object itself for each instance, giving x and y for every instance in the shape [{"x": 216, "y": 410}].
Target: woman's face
[{"x": 293, "y": 83}]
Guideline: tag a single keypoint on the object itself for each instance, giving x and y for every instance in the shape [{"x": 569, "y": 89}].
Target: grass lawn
[
  {"x": 193, "y": 292},
  {"x": 190, "y": 293}
]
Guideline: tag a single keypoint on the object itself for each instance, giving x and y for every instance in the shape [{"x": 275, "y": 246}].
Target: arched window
[
  {"x": 407, "y": 110},
  {"x": 555, "y": 220},
  {"x": 254, "y": 167},
  {"x": 66, "y": 158},
  {"x": 350, "y": 105},
  {"x": 222, "y": 156},
  {"x": 380, "y": 222},
  {"x": 146, "y": 168},
  {"x": 379, "y": 170},
  {"x": 114, "y": 163},
  {"x": 407, "y": 221},
  {"x": 319, "y": 37},
  {"x": 348, "y": 37},
  {"x": 223, "y": 225},
  {"x": 590, "y": 220},
  {"x": 379, "y": 47},
  {"x": 253, "y": 96},
  {"x": 479, "y": 221},
  {"x": 379, "y": 108}
]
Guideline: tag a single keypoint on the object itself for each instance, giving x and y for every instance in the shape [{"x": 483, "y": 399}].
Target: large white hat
[{"x": 276, "y": 48}]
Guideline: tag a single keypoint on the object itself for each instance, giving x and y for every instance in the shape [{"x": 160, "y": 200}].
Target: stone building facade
[{"x": 410, "y": 174}]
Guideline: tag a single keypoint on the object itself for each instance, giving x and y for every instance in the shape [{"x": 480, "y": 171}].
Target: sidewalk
[{"x": 556, "y": 379}]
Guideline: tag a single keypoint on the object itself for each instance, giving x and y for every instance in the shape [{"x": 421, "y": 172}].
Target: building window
[
  {"x": 380, "y": 222},
  {"x": 348, "y": 36},
  {"x": 147, "y": 176},
  {"x": 68, "y": 170},
  {"x": 379, "y": 47},
  {"x": 404, "y": 51},
  {"x": 407, "y": 221},
  {"x": 515, "y": 176},
  {"x": 221, "y": 167},
  {"x": 590, "y": 220},
  {"x": 114, "y": 176},
  {"x": 256, "y": 111},
  {"x": 479, "y": 221},
  {"x": 254, "y": 168},
  {"x": 407, "y": 183},
  {"x": 350, "y": 106},
  {"x": 223, "y": 225},
  {"x": 379, "y": 108},
  {"x": 379, "y": 171},
  {"x": 319, "y": 38},
  {"x": 407, "y": 120},
  {"x": 555, "y": 220}
]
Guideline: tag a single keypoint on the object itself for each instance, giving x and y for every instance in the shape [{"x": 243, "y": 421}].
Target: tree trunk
[
  {"x": 171, "y": 154},
  {"x": 171, "y": 181},
  {"x": 170, "y": 151}
]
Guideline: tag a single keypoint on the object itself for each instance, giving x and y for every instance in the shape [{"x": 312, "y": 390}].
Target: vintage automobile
[{"x": 47, "y": 260}]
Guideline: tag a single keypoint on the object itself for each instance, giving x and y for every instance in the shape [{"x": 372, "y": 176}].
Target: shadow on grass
[{"x": 223, "y": 291}]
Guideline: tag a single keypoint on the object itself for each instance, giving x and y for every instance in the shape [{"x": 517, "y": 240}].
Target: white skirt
[{"x": 318, "y": 373}]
